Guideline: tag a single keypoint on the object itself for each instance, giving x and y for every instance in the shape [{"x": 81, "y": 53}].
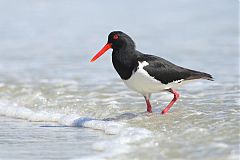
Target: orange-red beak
[{"x": 103, "y": 50}]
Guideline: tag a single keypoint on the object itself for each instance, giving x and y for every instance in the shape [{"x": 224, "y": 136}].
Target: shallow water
[
  {"x": 40, "y": 140},
  {"x": 54, "y": 104}
]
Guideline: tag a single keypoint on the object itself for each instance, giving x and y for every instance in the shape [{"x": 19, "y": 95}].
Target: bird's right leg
[{"x": 175, "y": 98}]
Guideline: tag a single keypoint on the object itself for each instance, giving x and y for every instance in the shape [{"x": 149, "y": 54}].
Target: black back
[{"x": 167, "y": 72}]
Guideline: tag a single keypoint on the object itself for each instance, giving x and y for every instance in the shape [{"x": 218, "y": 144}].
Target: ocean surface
[{"x": 55, "y": 104}]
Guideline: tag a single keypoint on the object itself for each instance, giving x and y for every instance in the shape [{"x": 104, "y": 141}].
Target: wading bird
[{"x": 144, "y": 73}]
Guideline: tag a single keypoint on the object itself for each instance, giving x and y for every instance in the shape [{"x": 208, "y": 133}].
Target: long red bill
[{"x": 103, "y": 50}]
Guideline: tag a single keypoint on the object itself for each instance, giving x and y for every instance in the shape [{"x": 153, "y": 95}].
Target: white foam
[
  {"x": 15, "y": 111},
  {"x": 120, "y": 144},
  {"x": 2, "y": 84}
]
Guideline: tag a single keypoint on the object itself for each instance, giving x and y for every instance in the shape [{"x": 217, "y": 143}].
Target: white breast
[{"x": 142, "y": 82}]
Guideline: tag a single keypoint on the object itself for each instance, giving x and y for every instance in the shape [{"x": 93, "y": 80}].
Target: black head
[
  {"x": 116, "y": 40},
  {"x": 119, "y": 40}
]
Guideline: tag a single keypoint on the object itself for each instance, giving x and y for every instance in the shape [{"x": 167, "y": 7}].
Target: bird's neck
[{"x": 124, "y": 61}]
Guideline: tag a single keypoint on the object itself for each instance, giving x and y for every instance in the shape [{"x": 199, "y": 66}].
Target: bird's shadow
[{"x": 124, "y": 116}]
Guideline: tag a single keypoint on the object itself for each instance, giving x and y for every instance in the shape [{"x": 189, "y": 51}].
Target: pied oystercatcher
[{"x": 146, "y": 74}]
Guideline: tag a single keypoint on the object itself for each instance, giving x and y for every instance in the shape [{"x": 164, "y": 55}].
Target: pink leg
[
  {"x": 176, "y": 96},
  {"x": 149, "y": 107}
]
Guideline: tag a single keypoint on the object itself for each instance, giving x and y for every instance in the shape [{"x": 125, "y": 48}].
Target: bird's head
[{"x": 116, "y": 40}]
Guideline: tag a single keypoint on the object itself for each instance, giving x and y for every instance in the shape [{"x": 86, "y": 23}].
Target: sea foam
[
  {"x": 15, "y": 111},
  {"x": 124, "y": 135}
]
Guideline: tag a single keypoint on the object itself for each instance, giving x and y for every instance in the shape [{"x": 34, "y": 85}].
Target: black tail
[
  {"x": 199, "y": 75},
  {"x": 207, "y": 76}
]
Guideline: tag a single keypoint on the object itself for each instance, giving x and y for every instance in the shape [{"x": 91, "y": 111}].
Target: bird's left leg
[
  {"x": 175, "y": 98},
  {"x": 149, "y": 107}
]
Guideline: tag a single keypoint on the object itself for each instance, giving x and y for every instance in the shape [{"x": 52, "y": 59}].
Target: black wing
[{"x": 167, "y": 72}]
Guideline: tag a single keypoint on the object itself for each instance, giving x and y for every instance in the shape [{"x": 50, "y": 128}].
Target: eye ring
[{"x": 115, "y": 37}]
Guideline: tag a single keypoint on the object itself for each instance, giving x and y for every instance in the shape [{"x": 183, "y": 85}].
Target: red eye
[{"x": 115, "y": 36}]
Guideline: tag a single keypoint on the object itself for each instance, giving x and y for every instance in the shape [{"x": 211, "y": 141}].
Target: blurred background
[
  {"x": 47, "y": 36},
  {"x": 46, "y": 78}
]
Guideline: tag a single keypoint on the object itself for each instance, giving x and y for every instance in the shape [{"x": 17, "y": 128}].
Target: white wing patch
[{"x": 143, "y": 64}]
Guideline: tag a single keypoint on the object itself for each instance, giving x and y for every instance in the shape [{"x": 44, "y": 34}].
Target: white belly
[{"x": 143, "y": 83}]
